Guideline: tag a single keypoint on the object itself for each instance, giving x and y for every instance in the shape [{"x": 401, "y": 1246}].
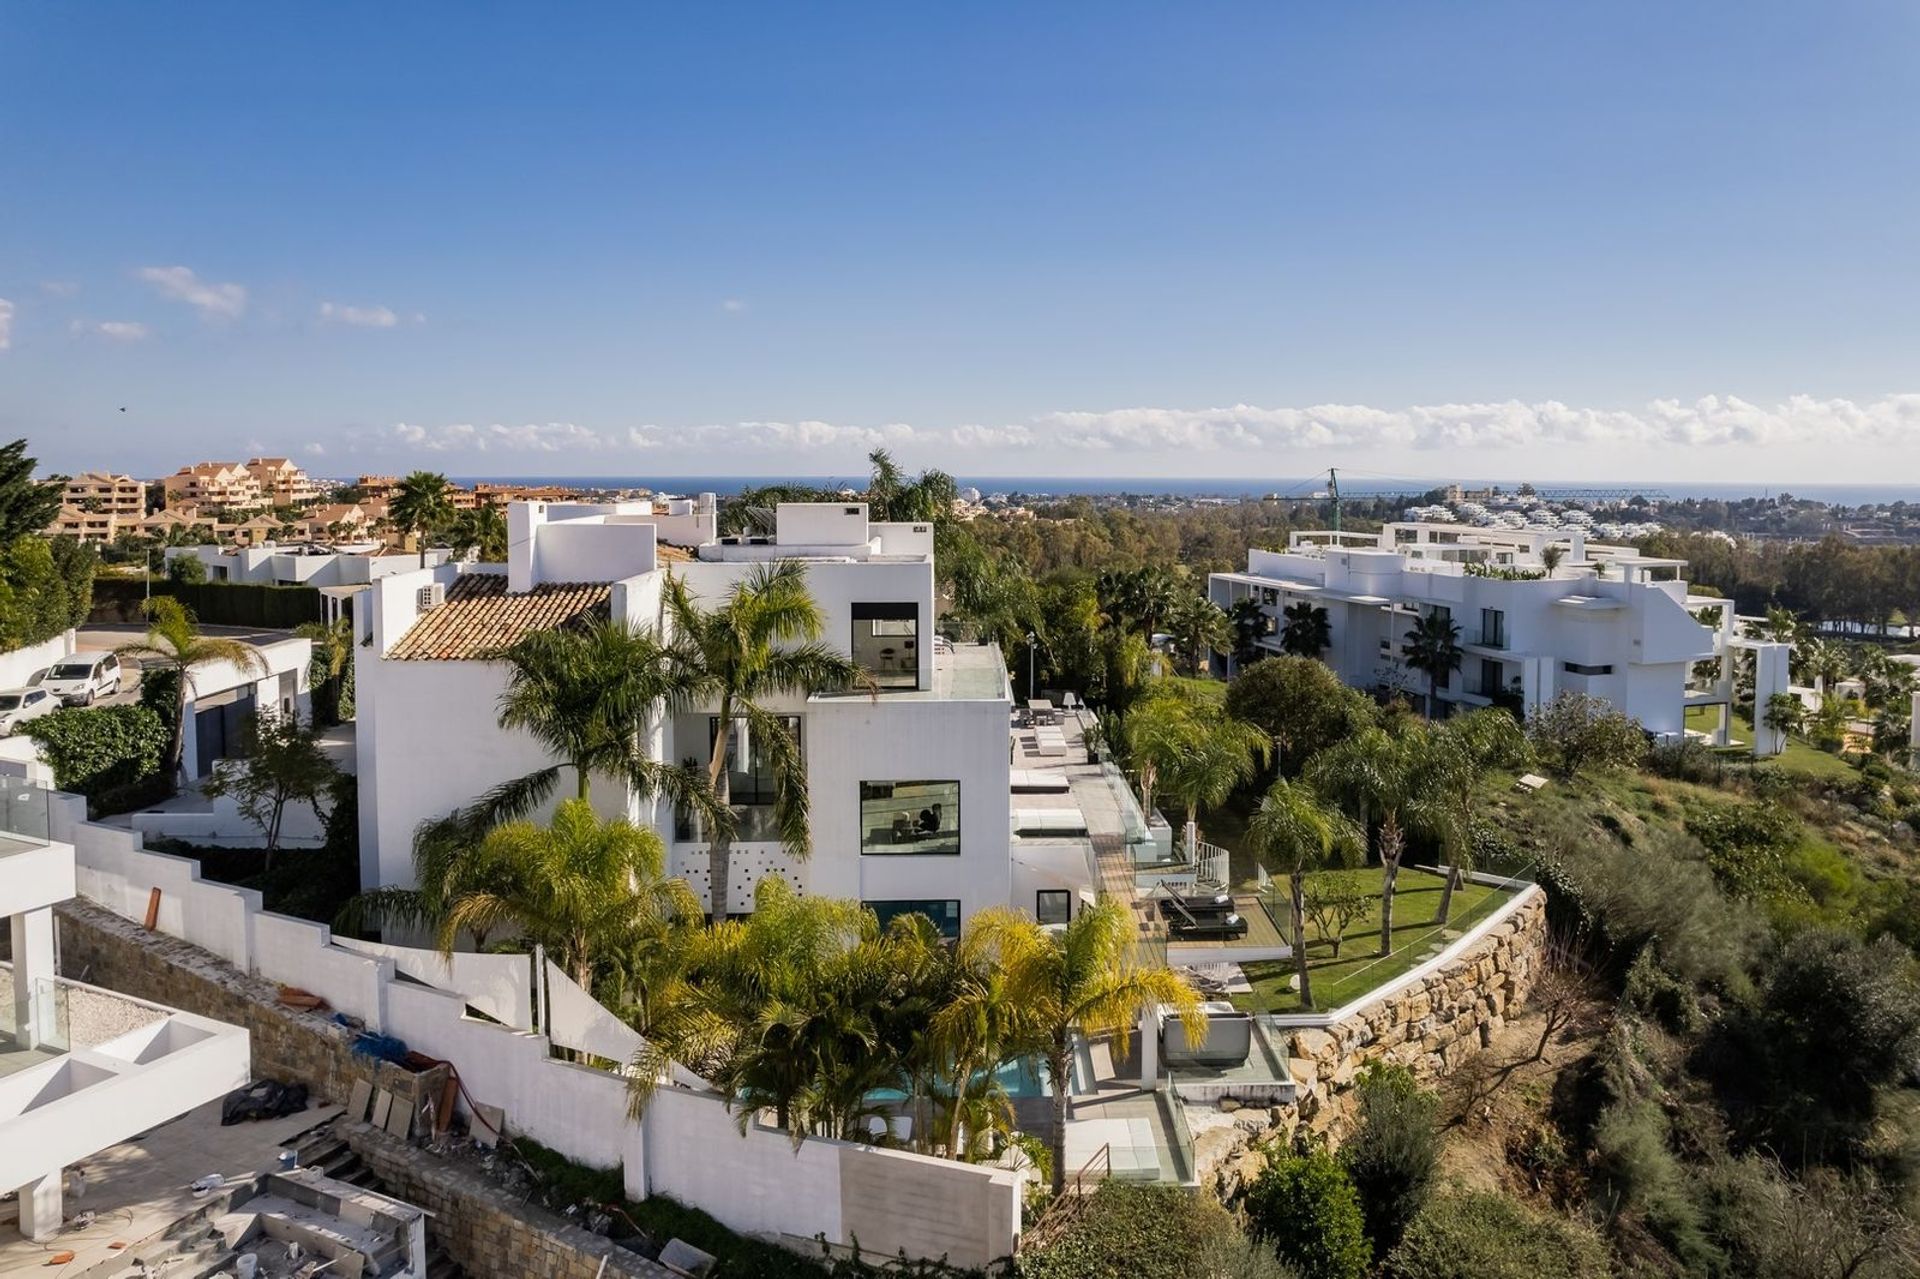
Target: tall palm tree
[
  {"x": 978, "y": 1029},
  {"x": 1306, "y": 632},
  {"x": 1448, "y": 771},
  {"x": 1199, "y": 628},
  {"x": 421, "y": 506},
  {"x": 332, "y": 665},
  {"x": 1085, "y": 978},
  {"x": 581, "y": 887},
  {"x": 1250, "y": 625},
  {"x": 1294, "y": 833},
  {"x": 762, "y": 642},
  {"x": 1218, "y": 754},
  {"x": 174, "y": 643},
  {"x": 1371, "y": 776},
  {"x": 1432, "y": 647},
  {"x": 928, "y": 498},
  {"x": 482, "y": 530}
]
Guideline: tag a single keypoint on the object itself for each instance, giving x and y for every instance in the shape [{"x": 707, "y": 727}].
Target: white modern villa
[
  {"x": 1539, "y": 612},
  {"x": 81, "y": 1068},
  {"x": 910, "y": 785}
]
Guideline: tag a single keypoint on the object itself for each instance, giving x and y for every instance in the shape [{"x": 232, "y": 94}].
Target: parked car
[
  {"x": 82, "y": 678},
  {"x": 18, "y": 705}
]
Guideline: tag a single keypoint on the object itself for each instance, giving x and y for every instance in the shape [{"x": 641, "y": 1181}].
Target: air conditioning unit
[{"x": 432, "y": 596}]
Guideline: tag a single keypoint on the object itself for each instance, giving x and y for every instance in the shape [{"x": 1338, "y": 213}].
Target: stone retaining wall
[
  {"x": 1430, "y": 1026},
  {"x": 485, "y": 1228}
]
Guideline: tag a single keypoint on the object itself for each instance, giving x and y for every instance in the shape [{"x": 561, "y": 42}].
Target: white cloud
[
  {"x": 316, "y": 449},
  {"x": 213, "y": 301},
  {"x": 6, "y": 324},
  {"x": 59, "y": 288},
  {"x": 113, "y": 330},
  {"x": 1242, "y": 430},
  {"x": 733, "y": 306},
  {"x": 362, "y": 317}
]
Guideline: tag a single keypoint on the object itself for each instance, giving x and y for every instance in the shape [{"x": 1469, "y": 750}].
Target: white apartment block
[
  {"x": 1602, "y": 620},
  {"x": 81, "y": 1068},
  {"x": 911, "y": 804}
]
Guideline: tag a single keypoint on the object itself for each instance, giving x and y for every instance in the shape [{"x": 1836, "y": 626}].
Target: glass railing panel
[
  {"x": 36, "y": 1018},
  {"x": 23, "y": 811}
]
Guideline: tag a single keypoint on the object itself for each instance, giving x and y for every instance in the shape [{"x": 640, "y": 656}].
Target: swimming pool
[{"x": 1022, "y": 1078}]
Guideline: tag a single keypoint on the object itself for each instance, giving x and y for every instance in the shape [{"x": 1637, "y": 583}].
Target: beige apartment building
[
  {"x": 281, "y": 482},
  {"x": 226, "y": 485},
  {"x": 106, "y": 493}
]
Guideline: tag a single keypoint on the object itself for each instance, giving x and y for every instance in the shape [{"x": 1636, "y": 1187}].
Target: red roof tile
[{"x": 480, "y": 615}]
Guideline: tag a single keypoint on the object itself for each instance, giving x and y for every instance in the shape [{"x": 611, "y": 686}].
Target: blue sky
[{"x": 1548, "y": 240}]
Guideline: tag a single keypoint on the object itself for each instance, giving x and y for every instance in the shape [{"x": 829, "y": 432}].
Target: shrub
[
  {"x": 186, "y": 569},
  {"x": 1748, "y": 846},
  {"x": 95, "y": 749},
  {"x": 1642, "y": 1175},
  {"x": 1152, "y": 1231},
  {"x": 1307, "y": 1208},
  {"x": 1488, "y": 1236},
  {"x": 37, "y": 600},
  {"x": 1394, "y": 1152},
  {"x": 1576, "y": 732},
  {"x": 1686, "y": 760}
]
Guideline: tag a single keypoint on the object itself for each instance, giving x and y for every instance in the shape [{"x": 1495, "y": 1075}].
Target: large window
[
  {"x": 1493, "y": 628},
  {"x": 944, "y": 912},
  {"x": 886, "y": 641},
  {"x": 750, "y": 782},
  {"x": 910, "y": 817},
  {"x": 1053, "y": 906}
]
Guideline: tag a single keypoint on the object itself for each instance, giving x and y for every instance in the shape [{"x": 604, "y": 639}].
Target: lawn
[
  {"x": 1359, "y": 968},
  {"x": 1799, "y": 757}
]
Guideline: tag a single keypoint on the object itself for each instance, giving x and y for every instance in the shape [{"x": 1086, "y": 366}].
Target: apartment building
[
  {"x": 1538, "y": 611},
  {"x": 911, "y": 803},
  {"x": 222, "y": 485},
  {"x": 281, "y": 482},
  {"x": 90, "y": 525},
  {"x": 107, "y": 493},
  {"x": 81, "y": 1068}
]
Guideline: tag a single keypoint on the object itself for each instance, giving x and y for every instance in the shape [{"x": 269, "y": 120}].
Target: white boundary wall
[{"x": 688, "y": 1145}]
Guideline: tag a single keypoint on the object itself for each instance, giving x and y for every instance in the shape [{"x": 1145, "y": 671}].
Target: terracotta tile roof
[
  {"x": 479, "y": 615},
  {"x": 668, "y": 554}
]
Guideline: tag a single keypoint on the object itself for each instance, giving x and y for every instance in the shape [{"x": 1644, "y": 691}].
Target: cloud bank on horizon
[{"x": 1110, "y": 436}]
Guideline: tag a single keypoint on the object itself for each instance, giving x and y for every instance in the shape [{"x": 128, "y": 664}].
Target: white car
[
  {"x": 80, "y": 679},
  {"x": 18, "y": 705}
]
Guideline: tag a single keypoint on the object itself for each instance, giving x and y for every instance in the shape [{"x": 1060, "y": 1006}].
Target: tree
[
  {"x": 1432, "y": 647},
  {"x": 1393, "y": 1156},
  {"x": 1334, "y": 901},
  {"x": 1306, "y": 632},
  {"x": 581, "y": 887},
  {"x": 1217, "y": 754},
  {"x": 1457, "y": 756},
  {"x": 1294, "y": 834},
  {"x": 1577, "y": 731},
  {"x": 1301, "y": 704},
  {"x": 27, "y": 505},
  {"x": 891, "y": 496},
  {"x": 1305, "y": 1206},
  {"x": 1371, "y": 775},
  {"x": 174, "y": 643},
  {"x": 1161, "y": 727},
  {"x": 281, "y": 764},
  {"x": 1480, "y": 1235},
  {"x": 1084, "y": 978},
  {"x": 421, "y": 506},
  {"x": 1199, "y": 629},
  {"x": 1250, "y": 625},
  {"x": 186, "y": 569},
  {"x": 331, "y": 670},
  {"x": 482, "y": 530},
  {"x": 1785, "y": 713},
  {"x": 763, "y": 641}
]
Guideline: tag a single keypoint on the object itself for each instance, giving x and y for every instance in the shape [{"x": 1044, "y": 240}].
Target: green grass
[
  {"x": 1799, "y": 757},
  {"x": 1359, "y": 969}
]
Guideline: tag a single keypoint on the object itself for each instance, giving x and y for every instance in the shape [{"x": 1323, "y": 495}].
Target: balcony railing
[
  {"x": 753, "y": 823},
  {"x": 23, "y": 812},
  {"x": 35, "y": 1019},
  {"x": 1496, "y": 638}
]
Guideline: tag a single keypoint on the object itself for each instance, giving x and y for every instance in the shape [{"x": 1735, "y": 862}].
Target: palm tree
[
  {"x": 1306, "y": 631},
  {"x": 978, "y": 1029},
  {"x": 482, "y": 530},
  {"x": 1432, "y": 647},
  {"x": 1250, "y": 625},
  {"x": 1449, "y": 769},
  {"x": 580, "y": 886},
  {"x": 1159, "y": 728},
  {"x": 174, "y": 643},
  {"x": 421, "y": 507},
  {"x": 1218, "y": 754},
  {"x": 1293, "y": 833},
  {"x": 1084, "y": 978},
  {"x": 762, "y": 642},
  {"x": 332, "y": 665},
  {"x": 891, "y": 496},
  {"x": 1371, "y": 776},
  {"x": 1199, "y": 628}
]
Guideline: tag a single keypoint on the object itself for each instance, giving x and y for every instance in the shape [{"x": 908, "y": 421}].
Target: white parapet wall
[{"x": 687, "y": 1145}]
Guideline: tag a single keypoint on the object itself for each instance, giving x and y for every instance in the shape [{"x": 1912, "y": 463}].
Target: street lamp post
[{"x": 1033, "y": 641}]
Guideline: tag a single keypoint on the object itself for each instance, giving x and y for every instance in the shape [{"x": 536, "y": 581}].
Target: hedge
[
  {"x": 277, "y": 608},
  {"x": 101, "y": 749}
]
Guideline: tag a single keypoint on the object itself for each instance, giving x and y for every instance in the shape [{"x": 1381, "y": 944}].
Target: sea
[{"x": 1238, "y": 487}]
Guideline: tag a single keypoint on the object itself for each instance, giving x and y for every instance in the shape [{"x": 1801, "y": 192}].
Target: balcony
[{"x": 753, "y": 824}]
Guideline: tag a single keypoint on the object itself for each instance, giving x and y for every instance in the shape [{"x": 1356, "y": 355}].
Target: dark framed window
[
  {"x": 751, "y": 784},
  {"x": 1581, "y": 668},
  {"x": 1493, "y": 627},
  {"x": 886, "y": 642},
  {"x": 1053, "y": 906},
  {"x": 914, "y": 818},
  {"x": 944, "y": 912}
]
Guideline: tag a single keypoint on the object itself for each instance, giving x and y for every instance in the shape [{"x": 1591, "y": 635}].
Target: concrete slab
[{"x": 139, "y": 1188}]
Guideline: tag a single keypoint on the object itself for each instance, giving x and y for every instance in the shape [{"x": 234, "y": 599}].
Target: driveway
[{"x": 105, "y": 638}]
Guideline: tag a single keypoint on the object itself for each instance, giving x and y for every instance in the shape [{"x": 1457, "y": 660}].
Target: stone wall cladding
[{"x": 1430, "y": 1026}]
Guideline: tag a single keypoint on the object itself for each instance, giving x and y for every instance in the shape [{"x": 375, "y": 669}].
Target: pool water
[{"x": 1021, "y": 1078}]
